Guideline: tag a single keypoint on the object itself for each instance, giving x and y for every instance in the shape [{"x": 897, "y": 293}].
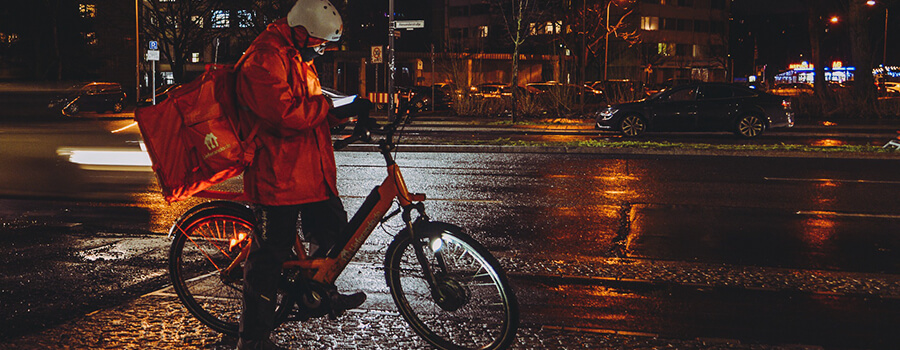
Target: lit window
[
  {"x": 650, "y": 23},
  {"x": 195, "y": 57},
  {"x": 87, "y": 10},
  {"x": 245, "y": 18},
  {"x": 552, "y": 27},
  {"x": 221, "y": 19},
  {"x": 197, "y": 20},
  {"x": 666, "y": 49},
  {"x": 482, "y": 31},
  {"x": 8, "y": 38},
  {"x": 90, "y": 38}
]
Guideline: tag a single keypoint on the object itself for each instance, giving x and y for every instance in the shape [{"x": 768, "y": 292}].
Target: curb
[{"x": 615, "y": 151}]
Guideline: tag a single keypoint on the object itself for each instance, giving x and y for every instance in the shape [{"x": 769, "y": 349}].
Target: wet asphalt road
[{"x": 771, "y": 251}]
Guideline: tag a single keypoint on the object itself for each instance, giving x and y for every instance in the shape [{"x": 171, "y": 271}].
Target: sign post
[
  {"x": 390, "y": 74},
  {"x": 392, "y": 33},
  {"x": 153, "y": 56}
]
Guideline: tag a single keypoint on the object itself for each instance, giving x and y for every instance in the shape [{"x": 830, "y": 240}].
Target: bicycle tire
[
  {"x": 199, "y": 250},
  {"x": 480, "y": 310}
]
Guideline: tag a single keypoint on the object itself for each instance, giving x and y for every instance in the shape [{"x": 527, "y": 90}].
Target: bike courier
[{"x": 293, "y": 174}]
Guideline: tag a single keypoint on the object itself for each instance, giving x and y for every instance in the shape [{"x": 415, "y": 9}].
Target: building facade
[{"x": 680, "y": 39}]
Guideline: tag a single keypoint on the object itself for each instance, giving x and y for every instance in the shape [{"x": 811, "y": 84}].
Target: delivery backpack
[{"x": 192, "y": 136}]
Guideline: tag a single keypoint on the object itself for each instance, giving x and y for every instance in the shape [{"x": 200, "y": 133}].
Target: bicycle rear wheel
[
  {"x": 473, "y": 306},
  {"x": 202, "y": 247}
]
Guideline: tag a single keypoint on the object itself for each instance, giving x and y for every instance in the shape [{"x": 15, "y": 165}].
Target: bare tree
[
  {"x": 518, "y": 18},
  {"x": 181, "y": 27},
  {"x": 591, "y": 27}
]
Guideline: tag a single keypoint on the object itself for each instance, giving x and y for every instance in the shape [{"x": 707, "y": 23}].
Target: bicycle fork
[{"x": 447, "y": 293}]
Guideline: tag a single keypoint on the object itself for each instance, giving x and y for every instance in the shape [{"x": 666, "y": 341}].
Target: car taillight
[{"x": 786, "y": 104}]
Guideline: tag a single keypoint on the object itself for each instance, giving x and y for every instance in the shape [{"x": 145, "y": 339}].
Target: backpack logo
[{"x": 211, "y": 141}]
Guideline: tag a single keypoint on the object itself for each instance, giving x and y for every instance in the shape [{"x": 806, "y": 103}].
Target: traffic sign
[
  {"x": 377, "y": 56},
  {"x": 409, "y": 24},
  {"x": 154, "y": 45},
  {"x": 152, "y": 55}
]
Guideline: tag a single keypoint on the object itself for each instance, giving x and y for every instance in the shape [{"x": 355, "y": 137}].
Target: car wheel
[
  {"x": 118, "y": 107},
  {"x": 633, "y": 125},
  {"x": 749, "y": 126},
  {"x": 71, "y": 110}
]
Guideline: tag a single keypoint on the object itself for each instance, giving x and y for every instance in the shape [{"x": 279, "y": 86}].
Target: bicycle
[{"x": 447, "y": 286}]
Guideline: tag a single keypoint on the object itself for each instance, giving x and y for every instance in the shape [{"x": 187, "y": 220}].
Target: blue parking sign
[{"x": 154, "y": 45}]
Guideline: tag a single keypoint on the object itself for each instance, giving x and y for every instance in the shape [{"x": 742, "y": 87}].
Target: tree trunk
[
  {"x": 816, "y": 27},
  {"x": 515, "y": 83},
  {"x": 864, "y": 87}
]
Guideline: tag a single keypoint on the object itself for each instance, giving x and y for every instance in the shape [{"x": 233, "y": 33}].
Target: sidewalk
[{"x": 157, "y": 320}]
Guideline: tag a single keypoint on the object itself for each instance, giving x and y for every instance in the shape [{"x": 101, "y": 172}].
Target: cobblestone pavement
[{"x": 158, "y": 321}]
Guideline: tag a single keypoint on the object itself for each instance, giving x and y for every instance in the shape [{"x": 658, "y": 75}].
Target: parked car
[
  {"x": 558, "y": 92},
  {"x": 92, "y": 96},
  {"x": 651, "y": 89},
  {"x": 792, "y": 89},
  {"x": 420, "y": 97},
  {"x": 700, "y": 106},
  {"x": 891, "y": 88},
  {"x": 490, "y": 90}
]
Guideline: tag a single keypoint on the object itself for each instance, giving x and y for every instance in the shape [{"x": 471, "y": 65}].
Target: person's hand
[{"x": 358, "y": 107}]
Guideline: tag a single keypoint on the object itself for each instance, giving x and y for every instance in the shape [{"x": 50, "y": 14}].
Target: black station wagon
[
  {"x": 94, "y": 96},
  {"x": 700, "y": 107}
]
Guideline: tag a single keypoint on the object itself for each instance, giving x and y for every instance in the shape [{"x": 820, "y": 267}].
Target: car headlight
[{"x": 608, "y": 113}]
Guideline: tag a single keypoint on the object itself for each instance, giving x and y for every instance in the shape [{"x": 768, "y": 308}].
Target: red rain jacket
[{"x": 277, "y": 90}]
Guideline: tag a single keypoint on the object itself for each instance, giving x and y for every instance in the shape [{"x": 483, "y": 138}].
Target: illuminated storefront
[{"x": 804, "y": 72}]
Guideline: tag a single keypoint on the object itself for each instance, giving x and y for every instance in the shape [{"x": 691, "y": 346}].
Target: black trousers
[{"x": 276, "y": 231}]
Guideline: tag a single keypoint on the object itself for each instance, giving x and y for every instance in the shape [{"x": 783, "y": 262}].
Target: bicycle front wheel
[{"x": 469, "y": 305}]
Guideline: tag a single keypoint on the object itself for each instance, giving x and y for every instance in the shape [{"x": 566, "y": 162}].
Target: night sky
[{"x": 779, "y": 31}]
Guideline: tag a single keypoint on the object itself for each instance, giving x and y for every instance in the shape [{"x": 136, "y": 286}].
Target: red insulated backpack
[{"x": 192, "y": 136}]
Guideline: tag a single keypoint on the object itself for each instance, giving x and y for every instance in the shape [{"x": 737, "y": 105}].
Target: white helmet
[{"x": 319, "y": 17}]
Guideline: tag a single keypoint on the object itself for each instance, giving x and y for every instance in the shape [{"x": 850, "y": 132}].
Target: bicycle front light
[{"x": 436, "y": 243}]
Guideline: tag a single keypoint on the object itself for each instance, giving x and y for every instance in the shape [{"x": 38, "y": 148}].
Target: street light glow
[
  {"x": 870, "y": 2},
  {"x": 834, "y": 19}
]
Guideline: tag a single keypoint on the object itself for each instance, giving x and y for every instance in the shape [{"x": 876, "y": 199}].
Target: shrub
[{"x": 843, "y": 103}]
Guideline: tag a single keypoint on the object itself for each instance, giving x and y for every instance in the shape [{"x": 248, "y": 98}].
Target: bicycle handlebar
[{"x": 365, "y": 127}]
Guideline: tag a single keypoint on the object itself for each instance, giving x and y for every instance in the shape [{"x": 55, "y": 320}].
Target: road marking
[
  {"x": 852, "y": 215},
  {"x": 832, "y": 180}
]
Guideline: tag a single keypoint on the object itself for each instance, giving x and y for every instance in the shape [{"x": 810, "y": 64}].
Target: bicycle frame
[{"x": 326, "y": 270}]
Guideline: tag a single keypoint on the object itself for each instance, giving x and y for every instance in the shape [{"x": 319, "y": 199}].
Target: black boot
[{"x": 342, "y": 302}]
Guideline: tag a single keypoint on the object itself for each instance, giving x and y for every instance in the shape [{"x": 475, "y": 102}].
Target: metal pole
[
  {"x": 583, "y": 53},
  {"x": 153, "y": 81},
  {"x": 137, "y": 51},
  {"x": 606, "y": 46},
  {"x": 884, "y": 53},
  {"x": 390, "y": 73},
  {"x": 432, "y": 77}
]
